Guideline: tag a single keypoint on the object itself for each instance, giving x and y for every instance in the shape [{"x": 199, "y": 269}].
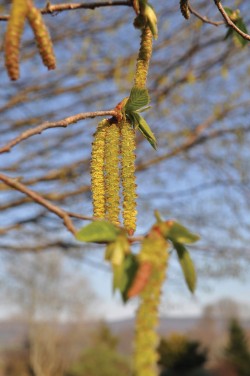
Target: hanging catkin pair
[
  {"x": 20, "y": 10},
  {"x": 112, "y": 167}
]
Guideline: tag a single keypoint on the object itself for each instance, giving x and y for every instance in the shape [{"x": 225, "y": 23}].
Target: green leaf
[
  {"x": 187, "y": 266},
  {"x": 241, "y": 25},
  {"x": 124, "y": 275},
  {"x": 145, "y": 130},
  {"x": 138, "y": 99},
  {"x": 98, "y": 232},
  {"x": 180, "y": 234},
  {"x": 229, "y": 11}
]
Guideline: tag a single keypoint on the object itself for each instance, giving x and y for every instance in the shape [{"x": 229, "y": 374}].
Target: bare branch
[
  {"x": 55, "y": 124},
  {"x": 58, "y": 8},
  {"x": 40, "y": 200},
  {"x": 229, "y": 22},
  {"x": 204, "y": 18}
]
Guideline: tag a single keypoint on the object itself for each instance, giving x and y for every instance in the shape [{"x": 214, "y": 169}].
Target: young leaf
[
  {"x": 138, "y": 99},
  {"x": 98, "y": 232},
  {"x": 179, "y": 234},
  {"x": 124, "y": 275},
  {"x": 241, "y": 25},
  {"x": 187, "y": 266},
  {"x": 145, "y": 129}
]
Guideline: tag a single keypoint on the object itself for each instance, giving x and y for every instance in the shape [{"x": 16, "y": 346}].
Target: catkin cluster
[
  {"x": 113, "y": 173},
  {"x": 148, "y": 282},
  {"x": 20, "y": 10}
]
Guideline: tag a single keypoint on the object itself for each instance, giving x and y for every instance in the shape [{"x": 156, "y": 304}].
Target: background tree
[
  {"x": 46, "y": 294},
  {"x": 179, "y": 355},
  {"x": 101, "y": 358},
  {"x": 237, "y": 349}
]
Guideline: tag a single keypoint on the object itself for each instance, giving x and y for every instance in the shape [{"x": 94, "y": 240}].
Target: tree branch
[
  {"x": 58, "y": 8},
  {"x": 229, "y": 22},
  {"x": 13, "y": 183},
  {"x": 203, "y": 18},
  {"x": 56, "y": 124}
]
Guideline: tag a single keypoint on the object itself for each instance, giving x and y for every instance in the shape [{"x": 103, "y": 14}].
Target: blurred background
[{"x": 56, "y": 293}]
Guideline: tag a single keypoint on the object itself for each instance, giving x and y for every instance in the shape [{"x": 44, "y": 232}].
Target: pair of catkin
[
  {"x": 112, "y": 167},
  {"x": 20, "y": 10}
]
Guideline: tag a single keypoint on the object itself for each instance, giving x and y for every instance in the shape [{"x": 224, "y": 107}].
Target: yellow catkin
[
  {"x": 13, "y": 36},
  {"x": 42, "y": 36},
  {"x": 154, "y": 250},
  {"x": 128, "y": 176},
  {"x": 112, "y": 178},
  {"x": 97, "y": 170},
  {"x": 143, "y": 59}
]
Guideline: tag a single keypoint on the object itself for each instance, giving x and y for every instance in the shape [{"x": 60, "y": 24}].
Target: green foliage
[
  {"x": 102, "y": 358},
  {"x": 187, "y": 266},
  {"x": 238, "y": 21},
  {"x": 98, "y": 232},
  {"x": 180, "y": 356},
  {"x": 138, "y": 102},
  {"x": 177, "y": 233},
  {"x": 180, "y": 235},
  {"x": 237, "y": 350},
  {"x": 138, "y": 99},
  {"x": 124, "y": 275}
]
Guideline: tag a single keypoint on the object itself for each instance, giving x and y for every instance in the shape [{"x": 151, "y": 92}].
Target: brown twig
[
  {"x": 14, "y": 183},
  {"x": 56, "y": 124},
  {"x": 58, "y": 8},
  {"x": 204, "y": 18},
  {"x": 229, "y": 22}
]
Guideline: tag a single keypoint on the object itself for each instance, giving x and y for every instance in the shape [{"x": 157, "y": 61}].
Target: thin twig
[
  {"x": 58, "y": 8},
  {"x": 204, "y": 18},
  {"x": 55, "y": 124},
  {"x": 13, "y": 183},
  {"x": 229, "y": 22}
]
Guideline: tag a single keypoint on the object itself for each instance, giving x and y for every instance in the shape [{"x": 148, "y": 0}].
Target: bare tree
[{"x": 55, "y": 303}]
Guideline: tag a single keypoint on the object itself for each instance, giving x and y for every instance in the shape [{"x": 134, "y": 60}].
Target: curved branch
[
  {"x": 204, "y": 18},
  {"x": 55, "y": 124},
  {"x": 58, "y": 8},
  {"x": 14, "y": 183},
  {"x": 229, "y": 22}
]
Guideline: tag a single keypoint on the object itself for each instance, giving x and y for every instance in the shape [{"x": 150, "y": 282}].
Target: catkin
[
  {"x": 143, "y": 59},
  {"x": 42, "y": 36},
  {"x": 128, "y": 176},
  {"x": 184, "y": 8},
  {"x": 13, "y": 36},
  {"x": 97, "y": 170},
  {"x": 153, "y": 251},
  {"x": 112, "y": 178}
]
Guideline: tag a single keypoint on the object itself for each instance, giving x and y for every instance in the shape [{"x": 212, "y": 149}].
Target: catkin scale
[
  {"x": 13, "y": 36},
  {"x": 111, "y": 174},
  {"x": 42, "y": 36},
  {"x": 97, "y": 170},
  {"x": 128, "y": 176}
]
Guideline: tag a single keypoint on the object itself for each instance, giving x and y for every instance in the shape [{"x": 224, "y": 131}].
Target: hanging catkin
[
  {"x": 13, "y": 36},
  {"x": 154, "y": 253},
  {"x": 42, "y": 36},
  {"x": 128, "y": 176},
  {"x": 97, "y": 170},
  {"x": 111, "y": 174}
]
